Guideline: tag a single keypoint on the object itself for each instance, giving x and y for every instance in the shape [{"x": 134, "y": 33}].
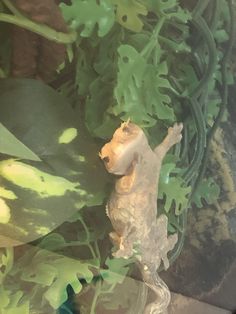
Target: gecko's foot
[
  {"x": 174, "y": 134},
  {"x": 125, "y": 250},
  {"x": 115, "y": 238},
  {"x": 123, "y": 253}
]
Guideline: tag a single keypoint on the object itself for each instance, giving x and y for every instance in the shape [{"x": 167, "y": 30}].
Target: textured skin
[{"x": 132, "y": 207}]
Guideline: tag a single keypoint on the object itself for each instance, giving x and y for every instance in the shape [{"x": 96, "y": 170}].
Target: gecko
[{"x": 132, "y": 206}]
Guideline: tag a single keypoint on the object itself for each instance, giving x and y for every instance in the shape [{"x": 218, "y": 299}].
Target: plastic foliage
[
  {"x": 173, "y": 189},
  {"x": 88, "y": 14},
  {"x": 134, "y": 98},
  {"x": 208, "y": 190},
  {"x": 129, "y": 12},
  {"x": 51, "y": 272}
]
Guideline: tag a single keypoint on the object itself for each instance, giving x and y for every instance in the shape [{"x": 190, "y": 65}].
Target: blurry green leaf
[
  {"x": 88, "y": 14},
  {"x": 52, "y": 241},
  {"x": 175, "y": 45},
  {"x": 56, "y": 272},
  {"x": 134, "y": 97},
  {"x": 169, "y": 8},
  {"x": 128, "y": 14},
  {"x": 188, "y": 77},
  {"x": 172, "y": 189},
  {"x": 6, "y": 262},
  {"x": 221, "y": 36},
  {"x": 166, "y": 170},
  {"x": 4, "y": 298},
  {"x": 96, "y": 76},
  {"x": 160, "y": 6},
  {"x": 117, "y": 270},
  {"x": 11, "y": 302},
  {"x": 15, "y": 298},
  {"x": 31, "y": 178},
  {"x": 46, "y": 194},
  {"x": 10, "y": 145},
  {"x": 207, "y": 190},
  {"x": 23, "y": 308}
]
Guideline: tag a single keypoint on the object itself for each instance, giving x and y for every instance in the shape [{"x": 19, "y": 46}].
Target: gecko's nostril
[{"x": 106, "y": 159}]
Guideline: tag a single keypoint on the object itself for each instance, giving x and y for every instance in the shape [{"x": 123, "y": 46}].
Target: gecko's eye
[{"x": 106, "y": 159}]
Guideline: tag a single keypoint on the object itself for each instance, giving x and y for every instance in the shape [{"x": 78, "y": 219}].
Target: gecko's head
[{"x": 127, "y": 142}]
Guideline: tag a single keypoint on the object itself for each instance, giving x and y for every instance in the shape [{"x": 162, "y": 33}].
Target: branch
[{"x": 42, "y": 30}]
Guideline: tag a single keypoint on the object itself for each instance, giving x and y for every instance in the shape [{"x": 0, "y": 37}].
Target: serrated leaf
[
  {"x": 117, "y": 270},
  {"x": 56, "y": 272},
  {"x": 172, "y": 189},
  {"x": 88, "y": 14},
  {"x": 128, "y": 14},
  {"x": 207, "y": 190},
  {"x": 57, "y": 294},
  {"x": 23, "y": 308},
  {"x": 133, "y": 94}
]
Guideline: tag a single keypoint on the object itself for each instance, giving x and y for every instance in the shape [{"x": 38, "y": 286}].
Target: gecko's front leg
[
  {"x": 124, "y": 243},
  {"x": 173, "y": 137}
]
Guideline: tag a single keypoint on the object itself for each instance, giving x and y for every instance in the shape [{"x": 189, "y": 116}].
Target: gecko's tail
[{"x": 158, "y": 286}]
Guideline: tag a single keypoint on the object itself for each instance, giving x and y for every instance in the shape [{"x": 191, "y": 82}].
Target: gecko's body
[{"x": 132, "y": 207}]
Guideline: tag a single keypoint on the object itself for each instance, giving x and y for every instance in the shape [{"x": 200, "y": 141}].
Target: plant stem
[
  {"x": 153, "y": 40},
  {"x": 95, "y": 298},
  {"x": 42, "y": 30},
  {"x": 11, "y": 7},
  {"x": 97, "y": 250},
  {"x": 87, "y": 239}
]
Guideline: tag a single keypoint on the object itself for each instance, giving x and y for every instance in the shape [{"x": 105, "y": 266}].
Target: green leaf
[
  {"x": 4, "y": 297},
  {"x": 117, "y": 270},
  {"x": 56, "y": 272},
  {"x": 134, "y": 97},
  {"x": 87, "y": 14},
  {"x": 15, "y": 299},
  {"x": 52, "y": 241},
  {"x": 23, "y": 308},
  {"x": 96, "y": 74},
  {"x": 166, "y": 170},
  {"x": 40, "y": 182},
  {"x": 11, "y": 303},
  {"x": 161, "y": 6},
  {"x": 221, "y": 36},
  {"x": 10, "y": 145},
  {"x": 41, "y": 196},
  {"x": 172, "y": 188},
  {"x": 207, "y": 190},
  {"x": 128, "y": 14},
  {"x": 168, "y": 8},
  {"x": 175, "y": 194},
  {"x": 6, "y": 262}
]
